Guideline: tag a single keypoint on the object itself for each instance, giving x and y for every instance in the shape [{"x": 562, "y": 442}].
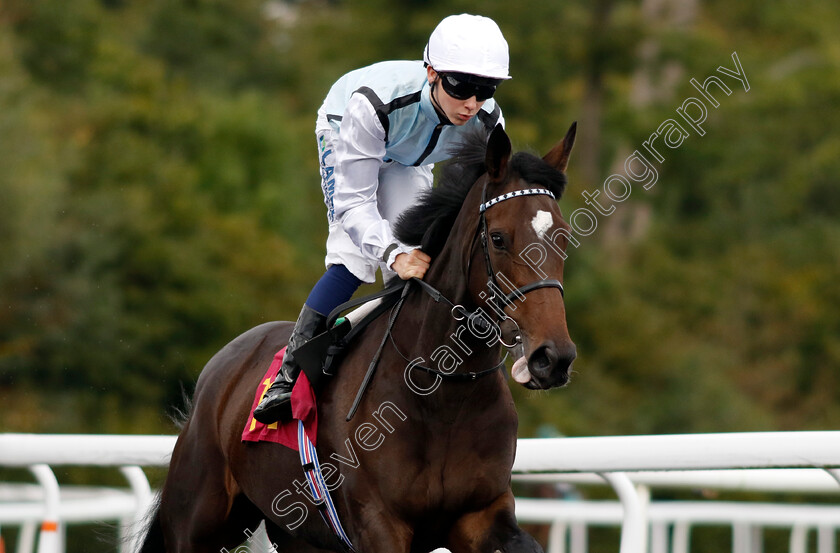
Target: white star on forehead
[{"x": 541, "y": 222}]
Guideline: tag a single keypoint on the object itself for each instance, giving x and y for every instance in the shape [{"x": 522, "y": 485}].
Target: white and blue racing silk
[{"x": 383, "y": 113}]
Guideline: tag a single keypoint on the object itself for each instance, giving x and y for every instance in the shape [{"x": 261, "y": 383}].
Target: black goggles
[{"x": 463, "y": 87}]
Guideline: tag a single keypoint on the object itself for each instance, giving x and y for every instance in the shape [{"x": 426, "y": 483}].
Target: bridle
[{"x": 497, "y": 299}]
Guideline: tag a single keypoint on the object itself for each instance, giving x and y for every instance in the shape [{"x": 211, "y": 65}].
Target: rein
[
  {"x": 479, "y": 321},
  {"x": 390, "y": 293},
  {"x": 497, "y": 299}
]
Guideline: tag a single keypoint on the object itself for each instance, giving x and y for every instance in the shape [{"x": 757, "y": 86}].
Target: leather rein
[{"x": 497, "y": 299}]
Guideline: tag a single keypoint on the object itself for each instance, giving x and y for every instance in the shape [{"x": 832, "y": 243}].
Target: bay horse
[{"x": 426, "y": 462}]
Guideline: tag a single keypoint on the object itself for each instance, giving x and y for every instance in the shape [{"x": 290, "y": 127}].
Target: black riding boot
[{"x": 276, "y": 399}]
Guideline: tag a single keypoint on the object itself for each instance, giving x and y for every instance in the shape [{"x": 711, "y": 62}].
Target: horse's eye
[{"x": 498, "y": 240}]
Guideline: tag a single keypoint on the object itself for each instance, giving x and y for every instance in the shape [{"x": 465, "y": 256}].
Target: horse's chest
[
  {"x": 417, "y": 463},
  {"x": 457, "y": 483},
  {"x": 465, "y": 468}
]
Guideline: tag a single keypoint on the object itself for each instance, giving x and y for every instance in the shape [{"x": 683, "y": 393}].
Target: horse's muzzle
[{"x": 549, "y": 365}]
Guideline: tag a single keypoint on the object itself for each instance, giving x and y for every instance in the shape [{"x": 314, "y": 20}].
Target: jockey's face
[{"x": 457, "y": 111}]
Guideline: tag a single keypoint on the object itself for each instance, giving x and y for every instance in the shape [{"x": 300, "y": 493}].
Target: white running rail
[{"x": 619, "y": 460}]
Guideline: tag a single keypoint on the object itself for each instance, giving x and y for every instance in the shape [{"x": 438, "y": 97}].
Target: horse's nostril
[
  {"x": 543, "y": 360},
  {"x": 549, "y": 365},
  {"x": 570, "y": 357}
]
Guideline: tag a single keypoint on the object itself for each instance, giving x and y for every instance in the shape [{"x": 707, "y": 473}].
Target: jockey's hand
[{"x": 410, "y": 265}]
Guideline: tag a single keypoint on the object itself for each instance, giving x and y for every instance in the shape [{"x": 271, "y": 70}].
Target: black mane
[
  {"x": 424, "y": 223},
  {"x": 439, "y": 206}
]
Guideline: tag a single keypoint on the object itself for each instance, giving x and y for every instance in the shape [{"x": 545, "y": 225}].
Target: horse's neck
[
  {"x": 440, "y": 330},
  {"x": 435, "y": 339}
]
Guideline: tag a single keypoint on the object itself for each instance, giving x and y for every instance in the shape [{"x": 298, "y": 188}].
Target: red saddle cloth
[{"x": 303, "y": 409}]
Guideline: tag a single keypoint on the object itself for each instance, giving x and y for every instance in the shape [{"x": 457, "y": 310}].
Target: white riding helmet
[{"x": 470, "y": 44}]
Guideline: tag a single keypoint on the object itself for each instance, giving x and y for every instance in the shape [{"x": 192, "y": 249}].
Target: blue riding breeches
[{"x": 335, "y": 287}]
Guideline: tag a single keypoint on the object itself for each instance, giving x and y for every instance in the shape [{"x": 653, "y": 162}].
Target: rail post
[
  {"x": 49, "y": 540},
  {"x": 634, "y": 526}
]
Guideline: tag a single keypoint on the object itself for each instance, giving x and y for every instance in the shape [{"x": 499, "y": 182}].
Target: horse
[{"x": 426, "y": 462}]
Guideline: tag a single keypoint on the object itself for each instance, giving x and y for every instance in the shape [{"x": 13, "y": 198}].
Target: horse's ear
[
  {"x": 558, "y": 157},
  {"x": 498, "y": 153}
]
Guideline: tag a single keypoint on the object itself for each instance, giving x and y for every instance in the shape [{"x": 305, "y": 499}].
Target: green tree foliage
[
  {"x": 143, "y": 204},
  {"x": 709, "y": 303}
]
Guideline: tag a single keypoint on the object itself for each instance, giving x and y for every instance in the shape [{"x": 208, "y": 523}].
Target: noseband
[{"x": 497, "y": 298}]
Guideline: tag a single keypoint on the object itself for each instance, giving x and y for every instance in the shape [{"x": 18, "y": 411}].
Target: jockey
[{"x": 379, "y": 132}]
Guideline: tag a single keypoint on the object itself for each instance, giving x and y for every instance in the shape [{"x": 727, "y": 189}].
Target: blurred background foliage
[{"x": 159, "y": 195}]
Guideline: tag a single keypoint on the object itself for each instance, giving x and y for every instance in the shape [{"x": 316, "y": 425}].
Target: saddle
[
  {"x": 322, "y": 353},
  {"x": 317, "y": 358}
]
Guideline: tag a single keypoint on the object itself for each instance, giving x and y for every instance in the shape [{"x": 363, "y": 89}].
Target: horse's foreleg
[
  {"x": 381, "y": 534},
  {"x": 492, "y": 530}
]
